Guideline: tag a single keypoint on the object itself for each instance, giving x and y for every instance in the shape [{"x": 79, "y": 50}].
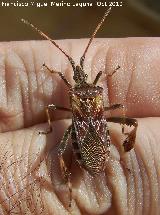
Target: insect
[{"x": 89, "y": 131}]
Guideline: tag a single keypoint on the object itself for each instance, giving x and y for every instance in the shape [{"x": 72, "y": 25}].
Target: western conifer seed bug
[{"x": 89, "y": 131}]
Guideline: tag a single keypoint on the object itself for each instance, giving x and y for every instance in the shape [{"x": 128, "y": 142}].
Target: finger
[
  {"x": 26, "y": 89},
  {"x": 137, "y": 83},
  {"x": 33, "y": 182}
]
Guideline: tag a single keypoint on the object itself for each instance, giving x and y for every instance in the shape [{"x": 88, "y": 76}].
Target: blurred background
[{"x": 131, "y": 19}]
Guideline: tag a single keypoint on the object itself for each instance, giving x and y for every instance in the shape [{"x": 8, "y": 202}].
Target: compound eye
[{"x": 86, "y": 76}]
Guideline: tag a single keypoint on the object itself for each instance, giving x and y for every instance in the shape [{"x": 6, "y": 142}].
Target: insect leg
[
  {"x": 65, "y": 173},
  {"x": 117, "y": 106},
  {"x": 113, "y": 107},
  {"x": 97, "y": 78},
  {"x": 52, "y": 107},
  {"x": 100, "y": 73},
  {"x": 129, "y": 142},
  {"x": 60, "y": 74},
  {"x": 114, "y": 71}
]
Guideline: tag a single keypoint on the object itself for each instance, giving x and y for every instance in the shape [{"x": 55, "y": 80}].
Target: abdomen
[{"x": 91, "y": 152}]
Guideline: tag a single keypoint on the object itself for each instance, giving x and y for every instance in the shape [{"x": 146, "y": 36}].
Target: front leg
[
  {"x": 100, "y": 73},
  {"x": 129, "y": 142},
  {"x": 52, "y": 107},
  {"x": 60, "y": 74},
  {"x": 113, "y": 107}
]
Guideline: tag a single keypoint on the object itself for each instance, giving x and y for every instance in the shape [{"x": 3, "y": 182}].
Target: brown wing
[
  {"x": 82, "y": 118},
  {"x": 92, "y": 139},
  {"x": 93, "y": 151}
]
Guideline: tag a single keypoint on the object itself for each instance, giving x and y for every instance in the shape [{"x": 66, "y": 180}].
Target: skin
[{"x": 30, "y": 177}]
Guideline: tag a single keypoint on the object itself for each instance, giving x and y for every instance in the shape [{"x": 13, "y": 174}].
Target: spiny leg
[
  {"x": 108, "y": 151},
  {"x": 52, "y": 107},
  {"x": 114, "y": 107},
  {"x": 65, "y": 173},
  {"x": 60, "y": 74},
  {"x": 129, "y": 142}
]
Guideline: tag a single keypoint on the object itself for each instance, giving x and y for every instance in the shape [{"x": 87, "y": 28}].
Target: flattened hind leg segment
[{"x": 129, "y": 142}]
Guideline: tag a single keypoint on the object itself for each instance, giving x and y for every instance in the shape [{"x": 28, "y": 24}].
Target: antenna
[
  {"x": 93, "y": 35},
  {"x": 52, "y": 41}
]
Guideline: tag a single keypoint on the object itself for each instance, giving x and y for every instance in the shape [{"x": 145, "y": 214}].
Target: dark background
[{"x": 134, "y": 18}]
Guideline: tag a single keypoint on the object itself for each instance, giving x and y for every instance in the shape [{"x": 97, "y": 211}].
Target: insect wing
[
  {"x": 92, "y": 140},
  {"x": 80, "y": 123},
  {"x": 93, "y": 148}
]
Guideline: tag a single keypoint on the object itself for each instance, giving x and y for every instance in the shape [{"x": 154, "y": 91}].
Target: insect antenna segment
[
  {"x": 51, "y": 40},
  {"x": 93, "y": 36}
]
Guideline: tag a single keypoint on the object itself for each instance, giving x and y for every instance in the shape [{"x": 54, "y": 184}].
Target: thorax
[{"x": 87, "y": 102}]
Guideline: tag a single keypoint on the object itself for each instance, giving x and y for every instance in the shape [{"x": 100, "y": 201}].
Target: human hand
[{"x": 30, "y": 177}]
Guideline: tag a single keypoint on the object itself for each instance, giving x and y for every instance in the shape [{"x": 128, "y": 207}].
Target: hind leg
[{"x": 129, "y": 142}]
